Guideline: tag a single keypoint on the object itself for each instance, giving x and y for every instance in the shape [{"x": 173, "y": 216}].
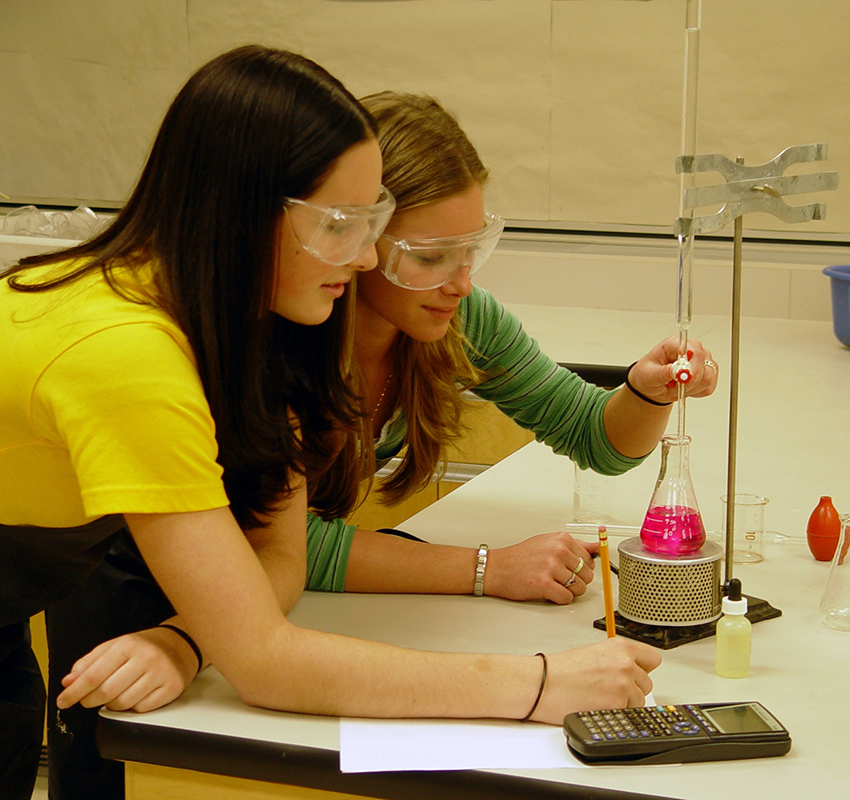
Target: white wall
[{"x": 779, "y": 281}]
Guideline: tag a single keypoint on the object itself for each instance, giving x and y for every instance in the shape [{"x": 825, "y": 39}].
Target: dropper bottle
[{"x": 734, "y": 635}]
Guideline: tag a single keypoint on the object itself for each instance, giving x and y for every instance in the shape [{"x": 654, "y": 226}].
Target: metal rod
[{"x": 737, "y": 252}]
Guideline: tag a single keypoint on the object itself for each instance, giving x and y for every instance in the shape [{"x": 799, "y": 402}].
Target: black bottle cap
[{"x": 734, "y": 589}]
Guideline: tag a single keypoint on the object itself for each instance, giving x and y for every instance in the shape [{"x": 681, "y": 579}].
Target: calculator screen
[{"x": 743, "y": 718}]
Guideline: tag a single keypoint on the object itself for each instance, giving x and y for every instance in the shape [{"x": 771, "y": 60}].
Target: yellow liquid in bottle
[{"x": 732, "y": 656}]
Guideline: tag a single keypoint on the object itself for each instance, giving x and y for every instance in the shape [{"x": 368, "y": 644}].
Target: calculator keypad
[{"x": 643, "y": 723}]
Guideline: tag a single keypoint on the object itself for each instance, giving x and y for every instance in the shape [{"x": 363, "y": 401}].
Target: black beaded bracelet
[
  {"x": 189, "y": 640},
  {"x": 636, "y": 393},
  {"x": 527, "y": 717}
]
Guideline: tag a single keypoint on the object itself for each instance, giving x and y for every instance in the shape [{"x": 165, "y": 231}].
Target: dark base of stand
[{"x": 672, "y": 636}]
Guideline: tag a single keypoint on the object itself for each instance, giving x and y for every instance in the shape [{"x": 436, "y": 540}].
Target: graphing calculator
[{"x": 675, "y": 734}]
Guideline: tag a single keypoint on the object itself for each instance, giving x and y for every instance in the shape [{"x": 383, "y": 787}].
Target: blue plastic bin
[{"x": 839, "y": 278}]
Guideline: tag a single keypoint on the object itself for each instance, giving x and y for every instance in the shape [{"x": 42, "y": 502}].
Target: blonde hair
[{"x": 426, "y": 158}]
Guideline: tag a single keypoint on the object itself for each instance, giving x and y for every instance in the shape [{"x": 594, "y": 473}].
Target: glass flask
[
  {"x": 835, "y": 605},
  {"x": 673, "y": 524}
]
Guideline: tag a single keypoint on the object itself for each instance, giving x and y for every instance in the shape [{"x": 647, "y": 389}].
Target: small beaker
[
  {"x": 748, "y": 541},
  {"x": 592, "y": 495},
  {"x": 835, "y": 605}
]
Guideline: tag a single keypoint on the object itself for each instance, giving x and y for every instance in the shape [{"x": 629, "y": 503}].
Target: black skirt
[{"x": 41, "y": 565}]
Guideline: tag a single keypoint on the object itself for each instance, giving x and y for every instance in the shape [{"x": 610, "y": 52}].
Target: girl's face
[
  {"x": 424, "y": 316},
  {"x": 305, "y": 286}
]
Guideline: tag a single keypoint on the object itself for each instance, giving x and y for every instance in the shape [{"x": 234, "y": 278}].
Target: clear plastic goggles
[
  {"x": 422, "y": 264},
  {"x": 339, "y": 235}
]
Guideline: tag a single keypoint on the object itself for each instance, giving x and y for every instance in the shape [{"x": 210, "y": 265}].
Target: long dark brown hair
[
  {"x": 250, "y": 128},
  {"x": 427, "y": 157}
]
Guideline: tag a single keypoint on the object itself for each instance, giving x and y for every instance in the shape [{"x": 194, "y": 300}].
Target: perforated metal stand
[
  {"x": 678, "y": 589},
  {"x": 670, "y": 600}
]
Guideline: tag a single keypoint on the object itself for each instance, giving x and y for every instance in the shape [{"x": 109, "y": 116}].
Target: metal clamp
[{"x": 753, "y": 188}]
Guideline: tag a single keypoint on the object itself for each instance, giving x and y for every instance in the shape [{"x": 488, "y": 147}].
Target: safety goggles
[
  {"x": 422, "y": 264},
  {"x": 339, "y": 235}
]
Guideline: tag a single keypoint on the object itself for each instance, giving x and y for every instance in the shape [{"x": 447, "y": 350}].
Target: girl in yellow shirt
[{"x": 172, "y": 407}]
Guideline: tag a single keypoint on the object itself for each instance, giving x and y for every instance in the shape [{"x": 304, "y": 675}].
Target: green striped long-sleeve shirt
[{"x": 559, "y": 407}]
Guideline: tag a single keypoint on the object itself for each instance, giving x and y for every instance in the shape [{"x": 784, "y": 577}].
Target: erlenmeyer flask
[
  {"x": 673, "y": 523},
  {"x": 835, "y": 605}
]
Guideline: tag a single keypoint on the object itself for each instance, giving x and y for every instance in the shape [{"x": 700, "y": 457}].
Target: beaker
[
  {"x": 592, "y": 494},
  {"x": 748, "y": 539},
  {"x": 673, "y": 524},
  {"x": 835, "y": 605}
]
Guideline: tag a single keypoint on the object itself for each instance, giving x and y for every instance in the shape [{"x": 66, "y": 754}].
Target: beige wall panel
[
  {"x": 616, "y": 111},
  {"x": 574, "y": 104},
  {"x": 85, "y": 85},
  {"x": 772, "y": 73},
  {"x": 487, "y": 61}
]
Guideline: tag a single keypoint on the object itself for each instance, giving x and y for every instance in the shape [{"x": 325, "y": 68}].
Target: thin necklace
[{"x": 383, "y": 394}]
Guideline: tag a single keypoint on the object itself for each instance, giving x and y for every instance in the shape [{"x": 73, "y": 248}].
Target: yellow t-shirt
[{"x": 102, "y": 410}]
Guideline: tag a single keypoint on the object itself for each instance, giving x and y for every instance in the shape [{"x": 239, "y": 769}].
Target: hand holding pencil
[{"x": 613, "y": 673}]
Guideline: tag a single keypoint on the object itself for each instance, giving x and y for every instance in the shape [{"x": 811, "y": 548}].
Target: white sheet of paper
[
  {"x": 367, "y": 745},
  {"x": 391, "y": 745}
]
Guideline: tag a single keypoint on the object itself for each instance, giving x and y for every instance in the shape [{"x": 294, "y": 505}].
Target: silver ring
[
  {"x": 710, "y": 363},
  {"x": 579, "y": 566},
  {"x": 570, "y": 582}
]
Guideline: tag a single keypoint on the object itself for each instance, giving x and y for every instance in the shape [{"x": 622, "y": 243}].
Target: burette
[{"x": 682, "y": 368}]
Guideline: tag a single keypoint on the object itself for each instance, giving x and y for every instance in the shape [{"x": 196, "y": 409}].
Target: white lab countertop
[{"x": 793, "y": 443}]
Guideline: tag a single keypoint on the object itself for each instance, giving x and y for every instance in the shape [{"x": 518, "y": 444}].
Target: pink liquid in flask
[{"x": 672, "y": 530}]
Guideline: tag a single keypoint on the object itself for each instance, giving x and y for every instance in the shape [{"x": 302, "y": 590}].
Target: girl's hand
[
  {"x": 550, "y": 566},
  {"x": 613, "y": 673},
  {"x": 652, "y": 376},
  {"x": 139, "y": 672}
]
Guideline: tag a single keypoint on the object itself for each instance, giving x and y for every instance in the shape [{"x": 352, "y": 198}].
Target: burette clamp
[{"x": 759, "y": 187}]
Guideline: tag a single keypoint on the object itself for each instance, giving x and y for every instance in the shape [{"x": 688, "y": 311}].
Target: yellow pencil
[{"x": 605, "y": 560}]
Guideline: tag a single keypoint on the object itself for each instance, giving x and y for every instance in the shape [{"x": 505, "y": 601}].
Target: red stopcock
[{"x": 682, "y": 370}]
